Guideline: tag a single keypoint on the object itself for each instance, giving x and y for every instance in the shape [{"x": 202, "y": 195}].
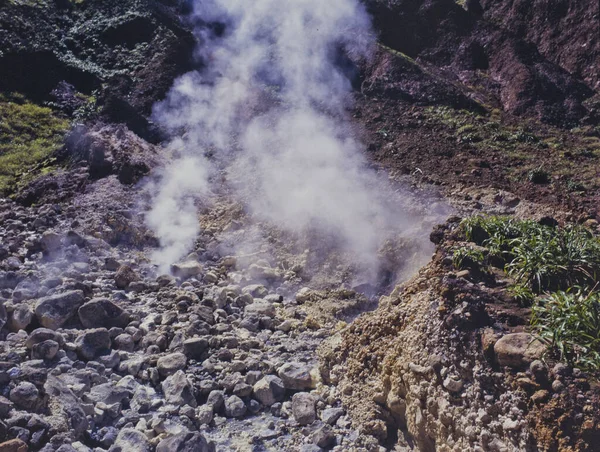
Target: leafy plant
[
  {"x": 465, "y": 257},
  {"x": 569, "y": 322},
  {"x": 522, "y": 294}
]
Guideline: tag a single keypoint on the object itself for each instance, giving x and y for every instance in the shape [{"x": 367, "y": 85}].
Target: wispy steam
[{"x": 270, "y": 108}]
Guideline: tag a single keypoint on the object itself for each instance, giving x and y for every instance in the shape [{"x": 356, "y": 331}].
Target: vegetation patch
[
  {"x": 29, "y": 134},
  {"x": 555, "y": 269}
]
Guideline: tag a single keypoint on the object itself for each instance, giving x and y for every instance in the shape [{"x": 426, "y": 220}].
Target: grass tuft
[{"x": 29, "y": 133}]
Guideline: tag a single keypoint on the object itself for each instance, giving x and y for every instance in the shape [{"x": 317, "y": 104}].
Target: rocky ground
[
  {"x": 476, "y": 106},
  {"x": 99, "y": 352}
]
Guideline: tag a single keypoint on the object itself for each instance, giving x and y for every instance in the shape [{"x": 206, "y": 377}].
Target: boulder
[
  {"x": 186, "y": 269},
  {"x": 101, "y": 312},
  {"x": 125, "y": 276},
  {"x": 25, "y": 395},
  {"x": 51, "y": 241},
  {"x": 260, "y": 308},
  {"x": 178, "y": 390},
  {"x": 518, "y": 350},
  {"x": 304, "y": 408},
  {"x": 186, "y": 442},
  {"x": 45, "y": 350},
  {"x": 20, "y": 318},
  {"x": 168, "y": 365},
  {"x": 269, "y": 390},
  {"x": 296, "y": 376},
  {"x": 131, "y": 440},
  {"x": 40, "y": 335},
  {"x": 235, "y": 407},
  {"x": 63, "y": 403},
  {"x": 54, "y": 311},
  {"x": 195, "y": 347},
  {"x": 92, "y": 343}
]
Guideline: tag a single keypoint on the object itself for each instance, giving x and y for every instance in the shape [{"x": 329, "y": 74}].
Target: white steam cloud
[{"x": 270, "y": 111}]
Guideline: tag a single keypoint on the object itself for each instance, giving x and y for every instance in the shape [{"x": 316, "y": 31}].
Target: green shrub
[
  {"x": 547, "y": 263},
  {"x": 465, "y": 257},
  {"x": 569, "y": 322},
  {"x": 538, "y": 256}
]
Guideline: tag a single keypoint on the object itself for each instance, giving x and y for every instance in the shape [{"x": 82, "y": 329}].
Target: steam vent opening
[{"x": 298, "y": 225}]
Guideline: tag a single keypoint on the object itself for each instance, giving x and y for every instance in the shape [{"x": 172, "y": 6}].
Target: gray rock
[
  {"x": 108, "y": 394},
  {"x": 20, "y": 318},
  {"x": 269, "y": 390},
  {"x": 142, "y": 399},
  {"x": 331, "y": 415},
  {"x": 304, "y": 408},
  {"x": 131, "y": 440},
  {"x": 5, "y": 407},
  {"x": 51, "y": 241},
  {"x": 260, "y": 308},
  {"x": 25, "y": 395},
  {"x": 194, "y": 348},
  {"x": 186, "y": 442},
  {"x": 54, "y": 311},
  {"x": 178, "y": 390},
  {"x": 124, "y": 276},
  {"x": 216, "y": 399},
  {"x": 256, "y": 290},
  {"x": 235, "y": 407},
  {"x": 124, "y": 342},
  {"x": 204, "y": 414},
  {"x": 186, "y": 269},
  {"x": 101, "y": 312},
  {"x": 40, "y": 335},
  {"x": 168, "y": 365},
  {"x": 92, "y": 343},
  {"x": 45, "y": 350},
  {"x": 324, "y": 437},
  {"x": 63, "y": 403},
  {"x": 296, "y": 376}
]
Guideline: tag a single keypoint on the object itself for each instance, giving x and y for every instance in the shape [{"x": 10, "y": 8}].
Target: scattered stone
[
  {"x": 331, "y": 415},
  {"x": 101, "y": 312},
  {"x": 540, "y": 396},
  {"x": 169, "y": 364},
  {"x": 20, "y": 318},
  {"x": 25, "y": 395},
  {"x": 92, "y": 343},
  {"x": 204, "y": 414},
  {"x": 13, "y": 445},
  {"x": 131, "y": 440},
  {"x": 453, "y": 385},
  {"x": 260, "y": 308},
  {"x": 125, "y": 276},
  {"x": 45, "y": 350},
  {"x": 304, "y": 408},
  {"x": 235, "y": 407},
  {"x": 185, "y": 442},
  {"x": 195, "y": 348},
  {"x": 324, "y": 437},
  {"x": 296, "y": 376},
  {"x": 51, "y": 241},
  {"x": 185, "y": 270},
  {"x": 269, "y": 390},
  {"x": 518, "y": 350},
  {"x": 54, "y": 311},
  {"x": 178, "y": 390}
]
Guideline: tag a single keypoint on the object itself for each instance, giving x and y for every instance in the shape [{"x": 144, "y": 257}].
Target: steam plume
[{"x": 270, "y": 108}]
